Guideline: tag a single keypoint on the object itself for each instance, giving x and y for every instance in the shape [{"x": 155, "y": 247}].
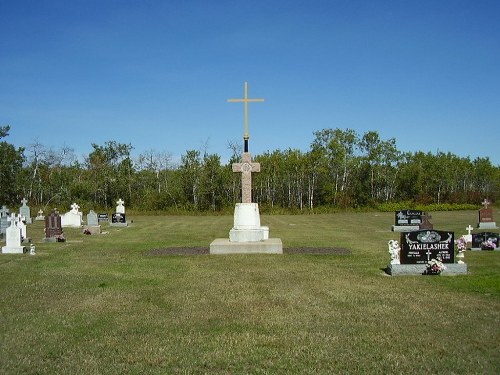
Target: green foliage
[
  {"x": 343, "y": 170},
  {"x": 11, "y": 161}
]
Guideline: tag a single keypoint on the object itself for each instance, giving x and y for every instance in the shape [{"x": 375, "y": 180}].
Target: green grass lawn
[{"x": 103, "y": 305}]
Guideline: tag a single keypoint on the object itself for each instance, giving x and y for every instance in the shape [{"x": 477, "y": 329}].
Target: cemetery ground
[{"x": 109, "y": 304}]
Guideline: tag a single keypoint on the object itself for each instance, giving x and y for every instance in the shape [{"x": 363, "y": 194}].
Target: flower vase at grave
[{"x": 460, "y": 257}]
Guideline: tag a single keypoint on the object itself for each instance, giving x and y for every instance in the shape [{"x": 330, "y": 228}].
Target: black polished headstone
[
  {"x": 478, "y": 239},
  {"x": 408, "y": 217},
  {"x": 423, "y": 245}
]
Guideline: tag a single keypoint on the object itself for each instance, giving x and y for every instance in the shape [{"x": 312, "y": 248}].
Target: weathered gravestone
[
  {"x": 118, "y": 219},
  {"x": 4, "y": 220},
  {"x": 486, "y": 217},
  {"x": 25, "y": 211},
  {"x": 407, "y": 220},
  {"x": 417, "y": 248},
  {"x": 40, "y": 216},
  {"x": 53, "y": 227},
  {"x": 485, "y": 241},
  {"x": 247, "y": 235},
  {"x": 93, "y": 226},
  {"x": 13, "y": 237}
]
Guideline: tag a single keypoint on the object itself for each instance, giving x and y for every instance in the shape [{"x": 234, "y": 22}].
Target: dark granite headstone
[
  {"x": 118, "y": 218},
  {"x": 408, "y": 217},
  {"x": 53, "y": 227},
  {"x": 420, "y": 246},
  {"x": 479, "y": 239},
  {"x": 485, "y": 215},
  {"x": 103, "y": 217}
]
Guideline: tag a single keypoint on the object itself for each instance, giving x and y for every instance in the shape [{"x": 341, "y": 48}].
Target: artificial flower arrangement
[
  {"x": 488, "y": 245},
  {"x": 434, "y": 267}
]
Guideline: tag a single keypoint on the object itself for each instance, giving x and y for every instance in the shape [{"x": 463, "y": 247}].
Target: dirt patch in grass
[{"x": 206, "y": 250}]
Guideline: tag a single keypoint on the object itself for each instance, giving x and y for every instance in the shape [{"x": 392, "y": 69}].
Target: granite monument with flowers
[
  {"x": 247, "y": 234},
  {"x": 425, "y": 252}
]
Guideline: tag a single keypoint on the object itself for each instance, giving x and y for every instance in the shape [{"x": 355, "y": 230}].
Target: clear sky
[{"x": 157, "y": 74}]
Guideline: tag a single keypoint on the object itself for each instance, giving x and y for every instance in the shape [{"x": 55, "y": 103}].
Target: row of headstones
[
  {"x": 414, "y": 220},
  {"x": 15, "y": 233},
  {"x": 421, "y": 246}
]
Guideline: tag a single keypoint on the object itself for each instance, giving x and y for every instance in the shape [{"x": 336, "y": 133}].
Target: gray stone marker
[
  {"x": 93, "y": 226},
  {"x": 4, "y": 222},
  {"x": 25, "y": 211}
]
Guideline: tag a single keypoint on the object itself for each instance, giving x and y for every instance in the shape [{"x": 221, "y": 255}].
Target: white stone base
[
  {"x": 418, "y": 269},
  {"x": 12, "y": 249},
  {"x": 405, "y": 228},
  {"x": 488, "y": 225},
  {"x": 246, "y": 223},
  {"x": 93, "y": 229},
  {"x": 224, "y": 246}
]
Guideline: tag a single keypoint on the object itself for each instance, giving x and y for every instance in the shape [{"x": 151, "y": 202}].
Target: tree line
[{"x": 341, "y": 169}]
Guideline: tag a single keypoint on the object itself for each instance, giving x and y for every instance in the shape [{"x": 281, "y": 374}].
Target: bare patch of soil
[{"x": 292, "y": 250}]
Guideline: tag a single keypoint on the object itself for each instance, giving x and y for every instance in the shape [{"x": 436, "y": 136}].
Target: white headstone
[
  {"x": 120, "y": 209},
  {"x": 73, "y": 218},
  {"x": 40, "y": 216},
  {"x": 12, "y": 238}
]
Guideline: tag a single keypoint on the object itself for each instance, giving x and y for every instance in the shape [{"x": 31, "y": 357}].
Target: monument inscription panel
[{"x": 420, "y": 246}]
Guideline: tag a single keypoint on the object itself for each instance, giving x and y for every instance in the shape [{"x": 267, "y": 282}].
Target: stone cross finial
[
  {"x": 24, "y": 201},
  {"x": 469, "y": 229},
  {"x": 486, "y": 202},
  {"x": 75, "y": 207},
  {"x": 246, "y": 167},
  {"x": 245, "y": 101},
  {"x": 13, "y": 219},
  {"x": 120, "y": 202}
]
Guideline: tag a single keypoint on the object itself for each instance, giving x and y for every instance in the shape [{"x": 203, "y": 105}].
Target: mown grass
[{"x": 104, "y": 305}]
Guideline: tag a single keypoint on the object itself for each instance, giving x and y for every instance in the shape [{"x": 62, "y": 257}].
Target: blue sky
[{"x": 157, "y": 74}]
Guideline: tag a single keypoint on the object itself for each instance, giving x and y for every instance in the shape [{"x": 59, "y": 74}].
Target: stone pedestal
[
  {"x": 93, "y": 229},
  {"x": 487, "y": 225},
  {"x": 418, "y": 269},
  {"x": 405, "y": 228},
  {"x": 247, "y": 235},
  {"x": 247, "y": 226}
]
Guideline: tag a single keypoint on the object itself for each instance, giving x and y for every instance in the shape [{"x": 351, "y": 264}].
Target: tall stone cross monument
[
  {"x": 246, "y": 167},
  {"x": 247, "y": 235}
]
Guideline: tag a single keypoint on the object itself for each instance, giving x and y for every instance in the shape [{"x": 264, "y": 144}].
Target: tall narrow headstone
[{"x": 53, "y": 227}]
